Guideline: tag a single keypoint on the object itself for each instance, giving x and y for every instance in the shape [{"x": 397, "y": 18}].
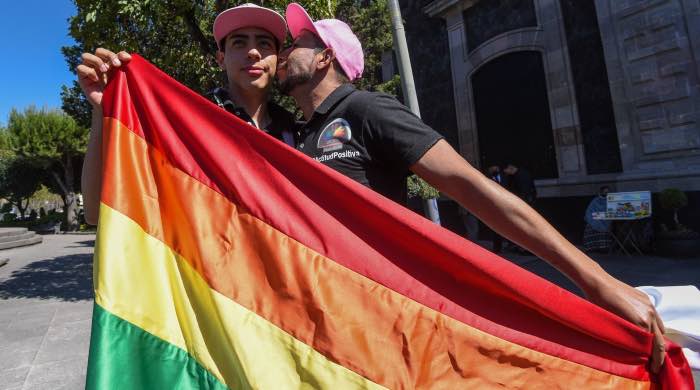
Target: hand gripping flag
[{"x": 226, "y": 259}]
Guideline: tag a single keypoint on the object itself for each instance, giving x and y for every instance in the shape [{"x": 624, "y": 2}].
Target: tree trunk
[
  {"x": 71, "y": 201},
  {"x": 70, "y": 204},
  {"x": 71, "y": 212},
  {"x": 221, "y": 6},
  {"x": 205, "y": 45},
  {"x": 22, "y": 208},
  {"x": 676, "y": 224}
]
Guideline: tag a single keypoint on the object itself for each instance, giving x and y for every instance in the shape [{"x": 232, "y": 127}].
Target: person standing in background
[{"x": 596, "y": 235}]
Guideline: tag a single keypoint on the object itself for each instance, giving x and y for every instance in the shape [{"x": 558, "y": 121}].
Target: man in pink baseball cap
[
  {"x": 373, "y": 139},
  {"x": 249, "y": 38}
]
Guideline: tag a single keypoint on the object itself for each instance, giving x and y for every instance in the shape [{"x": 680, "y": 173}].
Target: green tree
[
  {"x": 19, "y": 180},
  {"x": 371, "y": 23},
  {"x": 53, "y": 142}
]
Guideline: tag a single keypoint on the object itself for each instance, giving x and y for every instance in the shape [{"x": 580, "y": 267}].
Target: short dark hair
[{"x": 341, "y": 76}]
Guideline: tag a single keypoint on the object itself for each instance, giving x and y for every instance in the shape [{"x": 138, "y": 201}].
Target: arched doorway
[{"x": 512, "y": 114}]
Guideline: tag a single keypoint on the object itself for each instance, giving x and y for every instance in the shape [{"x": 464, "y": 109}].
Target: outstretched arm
[
  {"x": 508, "y": 215},
  {"x": 91, "y": 179},
  {"x": 92, "y": 76}
]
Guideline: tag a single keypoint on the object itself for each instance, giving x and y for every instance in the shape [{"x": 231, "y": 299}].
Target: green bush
[
  {"x": 673, "y": 199},
  {"x": 6, "y": 208},
  {"x": 51, "y": 217},
  {"x": 87, "y": 228},
  {"x": 9, "y": 217},
  {"x": 418, "y": 187}
]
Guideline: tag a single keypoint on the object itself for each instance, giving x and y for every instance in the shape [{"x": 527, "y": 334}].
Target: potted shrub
[
  {"x": 674, "y": 239},
  {"x": 418, "y": 188}
]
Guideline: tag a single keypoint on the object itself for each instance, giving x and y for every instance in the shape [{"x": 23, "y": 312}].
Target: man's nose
[{"x": 254, "y": 53}]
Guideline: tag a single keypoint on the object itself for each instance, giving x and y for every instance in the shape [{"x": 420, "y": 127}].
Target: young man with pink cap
[
  {"x": 248, "y": 38},
  {"x": 376, "y": 141}
]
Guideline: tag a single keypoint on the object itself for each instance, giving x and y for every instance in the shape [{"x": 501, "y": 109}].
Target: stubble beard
[{"x": 293, "y": 81}]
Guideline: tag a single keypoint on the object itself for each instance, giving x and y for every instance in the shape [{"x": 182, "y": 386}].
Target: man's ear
[
  {"x": 220, "y": 59},
  {"x": 327, "y": 58}
]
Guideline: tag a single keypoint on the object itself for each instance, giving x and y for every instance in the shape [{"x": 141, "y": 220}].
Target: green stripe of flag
[{"x": 124, "y": 356}]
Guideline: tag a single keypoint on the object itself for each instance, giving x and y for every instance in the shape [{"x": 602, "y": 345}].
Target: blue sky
[{"x": 32, "y": 69}]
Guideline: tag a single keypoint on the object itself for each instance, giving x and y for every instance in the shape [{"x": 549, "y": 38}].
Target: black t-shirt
[
  {"x": 282, "y": 124},
  {"x": 369, "y": 137}
]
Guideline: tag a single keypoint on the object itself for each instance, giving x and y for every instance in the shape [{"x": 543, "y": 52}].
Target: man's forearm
[
  {"x": 91, "y": 180},
  {"x": 513, "y": 218},
  {"x": 507, "y": 214}
]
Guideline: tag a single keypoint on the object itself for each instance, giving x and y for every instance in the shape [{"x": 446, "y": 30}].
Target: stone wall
[
  {"x": 594, "y": 103},
  {"x": 652, "y": 49},
  {"x": 547, "y": 37},
  {"x": 651, "y": 52}
]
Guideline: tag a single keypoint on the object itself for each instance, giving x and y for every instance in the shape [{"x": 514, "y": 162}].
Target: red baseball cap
[
  {"x": 250, "y": 15},
  {"x": 334, "y": 33}
]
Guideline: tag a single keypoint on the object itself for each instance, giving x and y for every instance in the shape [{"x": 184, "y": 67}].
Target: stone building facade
[
  {"x": 649, "y": 58},
  {"x": 619, "y": 79}
]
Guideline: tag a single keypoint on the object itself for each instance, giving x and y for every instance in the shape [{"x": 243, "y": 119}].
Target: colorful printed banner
[{"x": 226, "y": 259}]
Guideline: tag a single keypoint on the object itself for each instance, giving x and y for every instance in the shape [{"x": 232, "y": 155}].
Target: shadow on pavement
[
  {"x": 82, "y": 244},
  {"x": 635, "y": 271},
  {"x": 67, "y": 278}
]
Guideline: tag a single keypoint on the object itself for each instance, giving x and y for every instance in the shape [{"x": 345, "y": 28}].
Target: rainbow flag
[{"x": 226, "y": 259}]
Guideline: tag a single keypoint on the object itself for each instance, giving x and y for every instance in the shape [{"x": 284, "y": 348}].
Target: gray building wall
[
  {"x": 652, "y": 49},
  {"x": 652, "y": 54}
]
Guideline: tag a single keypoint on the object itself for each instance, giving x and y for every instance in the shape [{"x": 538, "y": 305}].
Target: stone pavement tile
[
  {"x": 8, "y": 308},
  {"x": 28, "y": 344},
  {"x": 74, "y": 311},
  {"x": 4, "y": 322},
  {"x": 76, "y": 383},
  {"x": 18, "y": 330},
  {"x": 20, "y": 352},
  {"x": 16, "y": 359},
  {"x": 27, "y": 325},
  {"x": 36, "y": 311},
  {"x": 17, "y": 305},
  {"x": 65, "y": 341},
  {"x": 13, "y": 377},
  {"x": 57, "y": 374}
]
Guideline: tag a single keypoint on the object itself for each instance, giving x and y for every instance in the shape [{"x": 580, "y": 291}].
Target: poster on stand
[{"x": 628, "y": 205}]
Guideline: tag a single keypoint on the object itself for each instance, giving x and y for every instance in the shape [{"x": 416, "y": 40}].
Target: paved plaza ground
[
  {"x": 46, "y": 304},
  {"x": 45, "y": 311}
]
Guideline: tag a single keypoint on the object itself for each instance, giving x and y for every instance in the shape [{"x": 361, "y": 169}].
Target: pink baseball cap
[
  {"x": 250, "y": 15},
  {"x": 335, "y": 34}
]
